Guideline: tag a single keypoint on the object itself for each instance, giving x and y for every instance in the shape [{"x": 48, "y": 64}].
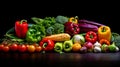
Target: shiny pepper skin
[
  {"x": 91, "y": 36},
  {"x": 21, "y": 28},
  {"x": 72, "y": 28}
]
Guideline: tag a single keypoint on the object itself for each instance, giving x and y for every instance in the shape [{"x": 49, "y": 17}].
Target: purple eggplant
[
  {"x": 91, "y": 22},
  {"x": 83, "y": 30},
  {"x": 84, "y": 27}
]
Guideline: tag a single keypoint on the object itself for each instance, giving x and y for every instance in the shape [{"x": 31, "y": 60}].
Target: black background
[
  {"x": 106, "y": 17},
  {"x": 102, "y": 12}
]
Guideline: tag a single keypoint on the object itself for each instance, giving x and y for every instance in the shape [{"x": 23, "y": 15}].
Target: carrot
[{"x": 59, "y": 37}]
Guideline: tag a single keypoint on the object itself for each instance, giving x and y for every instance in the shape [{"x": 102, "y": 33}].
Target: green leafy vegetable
[
  {"x": 51, "y": 25},
  {"x": 35, "y": 33},
  {"x": 61, "y": 19},
  {"x": 46, "y": 22},
  {"x": 50, "y": 30},
  {"x": 116, "y": 38},
  {"x": 58, "y": 28}
]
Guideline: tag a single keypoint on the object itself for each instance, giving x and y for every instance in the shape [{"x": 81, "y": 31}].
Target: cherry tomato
[
  {"x": 27, "y": 46},
  {"x": 76, "y": 47},
  {"x": 6, "y": 48},
  {"x": 38, "y": 48},
  {"x": 1, "y": 47},
  {"x": 22, "y": 48},
  {"x": 14, "y": 47},
  {"x": 31, "y": 48}
]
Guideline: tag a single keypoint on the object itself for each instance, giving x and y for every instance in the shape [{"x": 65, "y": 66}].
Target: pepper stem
[
  {"x": 58, "y": 48},
  {"x": 73, "y": 19},
  {"x": 23, "y": 21},
  {"x": 67, "y": 46},
  {"x": 91, "y": 36},
  {"x": 76, "y": 17},
  {"x": 104, "y": 29},
  {"x": 44, "y": 45}
]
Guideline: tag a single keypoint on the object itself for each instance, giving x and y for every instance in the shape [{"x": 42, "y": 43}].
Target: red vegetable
[
  {"x": 47, "y": 44},
  {"x": 14, "y": 47},
  {"x": 22, "y": 48},
  {"x": 1, "y": 47},
  {"x": 21, "y": 28},
  {"x": 6, "y": 48},
  {"x": 91, "y": 37},
  {"x": 72, "y": 28}
]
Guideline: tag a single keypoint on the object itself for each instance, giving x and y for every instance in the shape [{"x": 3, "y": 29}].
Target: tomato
[
  {"x": 76, "y": 47},
  {"x": 14, "y": 47},
  {"x": 22, "y": 48},
  {"x": 27, "y": 46},
  {"x": 6, "y": 48},
  {"x": 1, "y": 47},
  {"x": 38, "y": 48},
  {"x": 31, "y": 48}
]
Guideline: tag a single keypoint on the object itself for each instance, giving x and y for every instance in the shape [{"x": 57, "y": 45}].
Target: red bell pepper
[
  {"x": 21, "y": 28},
  {"x": 91, "y": 37},
  {"x": 47, "y": 44},
  {"x": 72, "y": 28}
]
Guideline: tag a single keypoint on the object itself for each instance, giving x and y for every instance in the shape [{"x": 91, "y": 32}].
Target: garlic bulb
[{"x": 97, "y": 44}]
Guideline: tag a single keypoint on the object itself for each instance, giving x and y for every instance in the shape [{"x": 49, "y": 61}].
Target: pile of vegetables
[{"x": 60, "y": 34}]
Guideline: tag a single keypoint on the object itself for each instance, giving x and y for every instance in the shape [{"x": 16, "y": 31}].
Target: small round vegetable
[
  {"x": 89, "y": 45},
  {"x": 1, "y": 47},
  {"x": 79, "y": 39},
  {"x": 104, "y": 48},
  {"x": 76, "y": 47},
  {"x": 38, "y": 48},
  {"x": 31, "y": 48},
  {"x": 117, "y": 49},
  {"x": 97, "y": 44},
  {"x": 83, "y": 49},
  {"x": 97, "y": 49},
  {"x": 22, "y": 48},
  {"x": 6, "y": 49},
  {"x": 14, "y": 47}
]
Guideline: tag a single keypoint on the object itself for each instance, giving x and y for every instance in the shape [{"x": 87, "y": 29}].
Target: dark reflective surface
[{"x": 65, "y": 59}]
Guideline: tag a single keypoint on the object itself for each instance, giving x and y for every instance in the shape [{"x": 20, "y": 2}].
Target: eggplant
[
  {"x": 91, "y": 22},
  {"x": 84, "y": 27}
]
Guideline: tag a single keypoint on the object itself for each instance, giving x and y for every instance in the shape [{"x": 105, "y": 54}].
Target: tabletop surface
[{"x": 65, "y": 59}]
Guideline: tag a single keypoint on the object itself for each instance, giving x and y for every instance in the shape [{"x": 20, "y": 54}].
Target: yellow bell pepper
[
  {"x": 104, "y": 32},
  {"x": 73, "y": 19}
]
